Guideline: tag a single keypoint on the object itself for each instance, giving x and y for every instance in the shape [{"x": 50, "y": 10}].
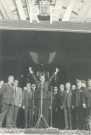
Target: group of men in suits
[
  {"x": 73, "y": 105},
  {"x": 11, "y": 101},
  {"x": 13, "y": 98}
]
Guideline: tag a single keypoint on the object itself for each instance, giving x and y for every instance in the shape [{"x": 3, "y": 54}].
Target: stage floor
[{"x": 43, "y": 131}]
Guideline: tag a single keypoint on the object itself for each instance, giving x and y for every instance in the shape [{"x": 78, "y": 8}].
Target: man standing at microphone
[{"x": 45, "y": 95}]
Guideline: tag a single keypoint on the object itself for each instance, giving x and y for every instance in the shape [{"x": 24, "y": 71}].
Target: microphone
[
  {"x": 42, "y": 85},
  {"x": 51, "y": 87}
]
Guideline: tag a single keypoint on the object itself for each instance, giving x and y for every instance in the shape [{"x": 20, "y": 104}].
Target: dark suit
[
  {"x": 45, "y": 95},
  {"x": 17, "y": 102},
  {"x": 27, "y": 102},
  {"x": 87, "y": 100},
  {"x": 78, "y": 103},
  {"x": 48, "y": 111},
  {"x": 67, "y": 104},
  {"x": 7, "y": 103},
  {"x": 60, "y": 99},
  {"x": 36, "y": 108},
  {"x": 73, "y": 111},
  {"x": 54, "y": 112}
]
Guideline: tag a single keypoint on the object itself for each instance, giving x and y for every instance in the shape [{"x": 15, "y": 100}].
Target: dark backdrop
[{"x": 73, "y": 54}]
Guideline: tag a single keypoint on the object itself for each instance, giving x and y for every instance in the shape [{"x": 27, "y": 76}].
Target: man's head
[
  {"x": 79, "y": 83},
  {"x": 10, "y": 78},
  {"x": 42, "y": 79},
  {"x": 83, "y": 83},
  {"x": 55, "y": 90},
  {"x": 16, "y": 83},
  {"x": 33, "y": 87},
  {"x": 68, "y": 86},
  {"x": 28, "y": 85},
  {"x": 61, "y": 87},
  {"x": 1, "y": 82},
  {"x": 89, "y": 82},
  {"x": 73, "y": 87}
]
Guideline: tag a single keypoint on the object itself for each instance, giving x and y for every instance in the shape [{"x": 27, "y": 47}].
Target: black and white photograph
[{"x": 45, "y": 67}]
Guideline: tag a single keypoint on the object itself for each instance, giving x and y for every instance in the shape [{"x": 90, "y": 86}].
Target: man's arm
[
  {"x": 33, "y": 76},
  {"x": 84, "y": 100},
  {"x": 2, "y": 89},
  {"x": 51, "y": 78}
]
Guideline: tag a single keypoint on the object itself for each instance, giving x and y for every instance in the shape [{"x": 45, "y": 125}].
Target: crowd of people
[{"x": 70, "y": 107}]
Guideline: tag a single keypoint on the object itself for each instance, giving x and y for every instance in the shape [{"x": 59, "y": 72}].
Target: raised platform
[{"x": 43, "y": 131}]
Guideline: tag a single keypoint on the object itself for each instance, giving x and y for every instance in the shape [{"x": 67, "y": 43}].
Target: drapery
[
  {"x": 34, "y": 56},
  {"x": 42, "y": 57},
  {"x": 51, "y": 57}
]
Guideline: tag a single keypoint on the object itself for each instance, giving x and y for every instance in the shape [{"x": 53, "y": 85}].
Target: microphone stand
[{"x": 41, "y": 110}]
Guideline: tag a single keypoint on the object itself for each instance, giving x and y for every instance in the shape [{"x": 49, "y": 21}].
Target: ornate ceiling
[{"x": 63, "y": 10}]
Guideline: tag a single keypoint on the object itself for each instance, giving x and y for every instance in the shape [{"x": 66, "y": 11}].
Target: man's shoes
[
  {"x": 0, "y": 124},
  {"x": 9, "y": 126},
  {"x": 14, "y": 126},
  {"x": 26, "y": 126},
  {"x": 66, "y": 128},
  {"x": 70, "y": 128}
]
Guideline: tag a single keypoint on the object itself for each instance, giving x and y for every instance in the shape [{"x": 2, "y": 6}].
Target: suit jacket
[
  {"x": 54, "y": 102},
  {"x": 67, "y": 103},
  {"x": 87, "y": 97},
  {"x": 27, "y": 99},
  {"x": 8, "y": 94},
  {"x": 45, "y": 87},
  {"x": 73, "y": 97},
  {"x": 36, "y": 99},
  {"x": 60, "y": 99},
  {"x": 18, "y": 97},
  {"x": 78, "y": 98}
]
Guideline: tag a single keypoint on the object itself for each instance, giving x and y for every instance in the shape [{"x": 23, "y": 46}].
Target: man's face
[
  {"x": 11, "y": 79},
  {"x": 42, "y": 79},
  {"x": 16, "y": 83},
  {"x": 33, "y": 86},
  {"x": 83, "y": 84},
  {"x": 55, "y": 90},
  {"x": 79, "y": 84},
  {"x": 68, "y": 85},
  {"x": 1, "y": 83},
  {"x": 61, "y": 87},
  {"x": 29, "y": 86},
  {"x": 73, "y": 87}
]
